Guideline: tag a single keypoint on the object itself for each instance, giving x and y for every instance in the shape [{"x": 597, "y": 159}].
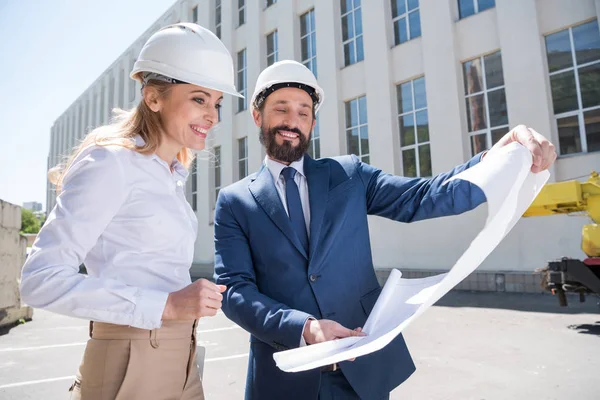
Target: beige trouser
[{"x": 126, "y": 363}]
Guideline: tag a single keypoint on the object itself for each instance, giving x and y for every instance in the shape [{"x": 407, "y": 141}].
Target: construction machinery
[{"x": 568, "y": 274}]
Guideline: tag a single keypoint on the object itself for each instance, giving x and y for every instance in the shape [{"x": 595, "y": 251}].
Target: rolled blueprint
[{"x": 510, "y": 187}]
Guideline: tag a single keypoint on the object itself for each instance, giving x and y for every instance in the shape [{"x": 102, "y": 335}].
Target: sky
[{"x": 51, "y": 52}]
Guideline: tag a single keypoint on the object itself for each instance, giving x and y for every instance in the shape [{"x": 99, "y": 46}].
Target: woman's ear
[{"x": 152, "y": 99}]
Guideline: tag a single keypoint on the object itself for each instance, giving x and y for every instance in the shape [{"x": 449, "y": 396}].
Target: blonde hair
[{"x": 124, "y": 127}]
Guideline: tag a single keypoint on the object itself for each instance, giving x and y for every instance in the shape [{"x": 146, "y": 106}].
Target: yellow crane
[{"x": 570, "y": 197}]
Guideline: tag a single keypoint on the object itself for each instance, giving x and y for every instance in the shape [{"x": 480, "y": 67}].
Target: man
[{"x": 292, "y": 243}]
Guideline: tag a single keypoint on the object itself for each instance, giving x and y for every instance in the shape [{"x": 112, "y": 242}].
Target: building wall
[{"x": 516, "y": 29}]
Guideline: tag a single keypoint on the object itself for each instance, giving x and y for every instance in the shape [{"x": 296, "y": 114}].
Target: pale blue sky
[{"x": 50, "y": 52}]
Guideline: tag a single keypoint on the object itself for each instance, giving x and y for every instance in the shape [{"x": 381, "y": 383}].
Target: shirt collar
[
  {"x": 176, "y": 165},
  {"x": 275, "y": 167}
]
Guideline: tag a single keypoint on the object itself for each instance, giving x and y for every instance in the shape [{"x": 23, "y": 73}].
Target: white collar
[{"x": 276, "y": 167}]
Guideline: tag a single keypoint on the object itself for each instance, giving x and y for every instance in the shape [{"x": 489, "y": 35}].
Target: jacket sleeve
[
  {"x": 94, "y": 190},
  {"x": 270, "y": 321},
  {"x": 413, "y": 199}
]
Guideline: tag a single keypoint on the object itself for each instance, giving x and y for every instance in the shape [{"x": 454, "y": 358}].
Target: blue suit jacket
[{"x": 274, "y": 285}]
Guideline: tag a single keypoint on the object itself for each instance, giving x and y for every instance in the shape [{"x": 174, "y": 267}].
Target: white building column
[
  {"x": 331, "y": 114},
  {"x": 443, "y": 83},
  {"x": 288, "y": 30},
  {"x": 255, "y": 63},
  {"x": 528, "y": 95},
  {"x": 381, "y": 102}
]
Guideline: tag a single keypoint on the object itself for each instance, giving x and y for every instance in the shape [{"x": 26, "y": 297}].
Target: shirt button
[
  {"x": 179, "y": 183},
  {"x": 313, "y": 278}
]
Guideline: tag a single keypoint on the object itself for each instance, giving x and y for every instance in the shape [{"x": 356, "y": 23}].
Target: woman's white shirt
[{"x": 125, "y": 216}]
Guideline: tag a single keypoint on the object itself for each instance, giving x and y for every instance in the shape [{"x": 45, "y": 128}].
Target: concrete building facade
[{"x": 413, "y": 87}]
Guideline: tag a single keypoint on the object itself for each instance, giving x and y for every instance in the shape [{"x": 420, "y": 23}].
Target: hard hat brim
[{"x": 185, "y": 76}]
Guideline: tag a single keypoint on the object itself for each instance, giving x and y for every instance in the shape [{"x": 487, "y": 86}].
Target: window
[
  {"x": 241, "y": 12},
  {"x": 94, "y": 110},
  {"x": 131, "y": 82},
  {"x": 414, "y": 128},
  {"x": 357, "y": 132},
  {"x": 194, "y": 179},
  {"x": 218, "y": 18},
  {"x": 352, "y": 32},
  {"x": 466, "y": 8},
  {"x": 102, "y": 107},
  {"x": 241, "y": 79},
  {"x": 111, "y": 95},
  {"x": 308, "y": 41},
  {"x": 121, "y": 88},
  {"x": 407, "y": 20},
  {"x": 487, "y": 117},
  {"x": 574, "y": 68},
  {"x": 272, "y": 48},
  {"x": 195, "y": 17},
  {"x": 217, "y": 172},
  {"x": 86, "y": 112},
  {"x": 242, "y": 157},
  {"x": 314, "y": 150},
  {"x": 269, "y": 3},
  {"x": 81, "y": 127}
]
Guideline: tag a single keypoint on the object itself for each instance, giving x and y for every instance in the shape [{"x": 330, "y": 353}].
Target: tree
[{"x": 29, "y": 222}]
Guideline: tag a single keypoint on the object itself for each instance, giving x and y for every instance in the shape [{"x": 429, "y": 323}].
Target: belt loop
[
  {"x": 154, "y": 338},
  {"x": 91, "y": 329}
]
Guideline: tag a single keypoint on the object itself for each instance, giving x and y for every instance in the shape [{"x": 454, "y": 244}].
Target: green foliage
[{"x": 29, "y": 223}]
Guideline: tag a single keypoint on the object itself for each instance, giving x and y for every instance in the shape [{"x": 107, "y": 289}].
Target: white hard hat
[
  {"x": 188, "y": 53},
  {"x": 287, "y": 73}
]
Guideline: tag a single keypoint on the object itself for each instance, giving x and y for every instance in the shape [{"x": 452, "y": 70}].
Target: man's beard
[{"x": 285, "y": 152}]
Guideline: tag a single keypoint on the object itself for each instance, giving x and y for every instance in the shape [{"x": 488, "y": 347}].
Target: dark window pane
[
  {"x": 304, "y": 24},
  {"x": 194, "y": 183},
  {"x": 218, "y": 33},
  {"x": 412, "y": 4},
  {"x": 366, "y": 159},
  {"x": 564, "y": 93},
  {"x": 352, "y": 113},
  {"x": 473, "y": 76},
  {"x": 241, "y": 149},
  {"x": 364, "y": 140},
  {"x": 194, "y": 202},
  {"x": 358, "y": 23},
  {"x": 356, "y": 3},
  {"x": 424, "y": 160},
  {"x": 360, "y": 55},
  {"x": 241, "y": 104},
  {"x": 270, "y": 43},
  {"x": 420, "y": 96},
  {"x": 241, "y": 169},
  {"x": 242, "y": 17},
  {"x": 466, "y": 8},
  {"x": 478, "y": 143},
  {"x": 313, "y": 44},
  {"x": 586, "y": 38},
  {"x": 569, "y": 140},
  {"x": 271, "y": 59},
  {"x": 317, "y": 148},
  {"x": 485, "y": 4},
  {"x": 476, "y": 117},
  {"x": 409, "y": 163},
  {"x": 304, "y": 48},
  {"x": 497, "y": 134},
  {"x": 346, "y": 6},
  {"x": 493, "y": 70},
  {"x": 407, "y": 130},
  {"x": 404, "y": 97},
  {"x": 400, "y": 35},
  {"x": 415, "y": 24},
  {"x": 398, "y": 7},
  {"x": 589, "y": 83},
  {"x": 347, "y": 27},
  {"x": 558, "y": 49},
  {"x": 362, "y": 110},
  {"x": 352, "y": 139},
  {"x": 349, "y": 56},
  {"x": 422, "y": 126},
  {"x": 592, "y": 129},
  {"x": 497, "y": 106},
  {"x": 312, "y": 20}
]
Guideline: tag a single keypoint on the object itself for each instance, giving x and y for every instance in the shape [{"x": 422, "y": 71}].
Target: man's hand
[
  {"x": 200, "y": 299},
  {"x": 323, "y": 330},
  {"x": 542, "y": 151}
]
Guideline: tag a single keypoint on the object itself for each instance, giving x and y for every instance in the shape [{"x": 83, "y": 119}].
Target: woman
[{"x": 121, "y": 210}]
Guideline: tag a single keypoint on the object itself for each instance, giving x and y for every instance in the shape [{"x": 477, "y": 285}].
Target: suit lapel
[
  {"x": 317, "y": 176},
  {"x": 264, "y": 192}
]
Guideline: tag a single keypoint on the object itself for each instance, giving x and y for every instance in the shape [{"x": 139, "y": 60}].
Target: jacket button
[{"x": 313, "y": 278}]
